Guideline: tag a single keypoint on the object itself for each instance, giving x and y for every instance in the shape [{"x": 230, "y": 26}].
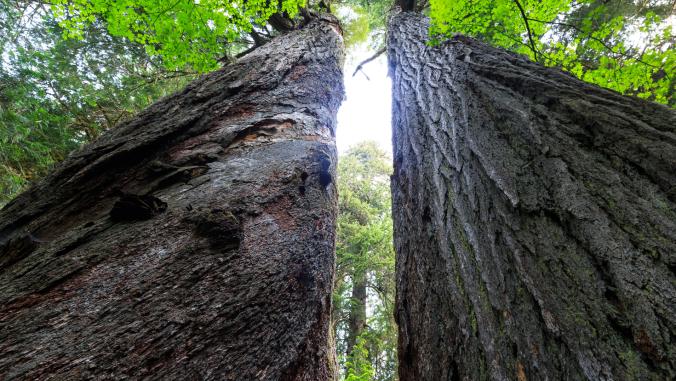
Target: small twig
[
  {"x": 364, "y": 62},
  {"x": 561, "y": 65},
  {"x": 530, "y": 35}
]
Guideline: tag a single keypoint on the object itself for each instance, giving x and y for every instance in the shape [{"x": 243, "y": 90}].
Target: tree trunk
[
  {"x": 357, "y": 321},
  {"x": 195, "y": 241},
  {"x": 535, "y": 223}
]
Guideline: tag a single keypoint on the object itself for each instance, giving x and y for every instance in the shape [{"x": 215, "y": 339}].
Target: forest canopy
[
  {"x": 623, "y": 45},
  {"x": 183, "y": 32}
]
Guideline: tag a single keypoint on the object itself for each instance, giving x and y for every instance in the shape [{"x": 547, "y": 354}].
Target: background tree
[
  {"x": 364, "y": 21},
  {"x": 364, "y": 283},
  {"x": 57, "y": 94}
]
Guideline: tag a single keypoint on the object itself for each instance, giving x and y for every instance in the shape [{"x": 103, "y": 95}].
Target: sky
[{"x": 366, "y": 110}]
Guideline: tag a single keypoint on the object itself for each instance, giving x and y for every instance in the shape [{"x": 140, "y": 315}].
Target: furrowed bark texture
[
  {"x": 195, "y": 241},
  {"x": 534, "y": 219}
]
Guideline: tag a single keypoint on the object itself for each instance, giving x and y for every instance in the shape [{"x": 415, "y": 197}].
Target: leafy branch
[{"x": 599, "y": 40}]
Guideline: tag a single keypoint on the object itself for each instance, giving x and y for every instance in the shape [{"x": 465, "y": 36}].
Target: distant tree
[
  {"x": 364, "y": 291},
  {"x": 57, "y": 94},
  {"x": 364, "y": 21}
]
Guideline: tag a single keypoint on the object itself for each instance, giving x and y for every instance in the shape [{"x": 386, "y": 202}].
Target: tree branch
[
  {"x": 364, "y": 62},
  {"x": 530, "y": 35},
  {"x": 258, "y": 39},
  {"x": 280, "y": 23}
]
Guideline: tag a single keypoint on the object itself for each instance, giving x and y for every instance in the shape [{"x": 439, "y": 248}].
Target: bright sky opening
[{"x": 366, "y": 112}]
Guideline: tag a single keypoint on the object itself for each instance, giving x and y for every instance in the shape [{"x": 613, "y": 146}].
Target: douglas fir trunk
[
  {"x": 195, "y": 241},
  {"x": 535, "y": 223}
]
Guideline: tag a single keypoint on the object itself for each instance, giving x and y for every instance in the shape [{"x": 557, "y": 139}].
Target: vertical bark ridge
[
  {"x": 195, "y": 241},
  {"x": 535, "y": 224}
]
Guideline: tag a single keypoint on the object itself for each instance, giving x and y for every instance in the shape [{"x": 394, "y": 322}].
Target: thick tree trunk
[
  {"x": 195, "y": 241},
  {"x": 535, "y": 223}
]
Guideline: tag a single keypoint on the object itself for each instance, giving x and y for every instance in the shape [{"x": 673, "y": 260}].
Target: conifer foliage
[{"x": 364, "y": 282}]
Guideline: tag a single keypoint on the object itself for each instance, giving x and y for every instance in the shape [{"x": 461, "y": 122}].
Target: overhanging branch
[
  {"x": 364, "y": 62},
  {"x": 530, "y": 35}
]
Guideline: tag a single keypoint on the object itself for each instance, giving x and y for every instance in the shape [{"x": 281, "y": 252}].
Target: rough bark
[
  {"x": 195, "y": 241},
  {"x": 535, "y": 223}
]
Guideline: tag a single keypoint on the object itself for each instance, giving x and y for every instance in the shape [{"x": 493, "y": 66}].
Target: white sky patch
[
  {"x": 366, "y": 112},
  {"x": 344, "y": 12},
  {"x": 638, "y": 38}
]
